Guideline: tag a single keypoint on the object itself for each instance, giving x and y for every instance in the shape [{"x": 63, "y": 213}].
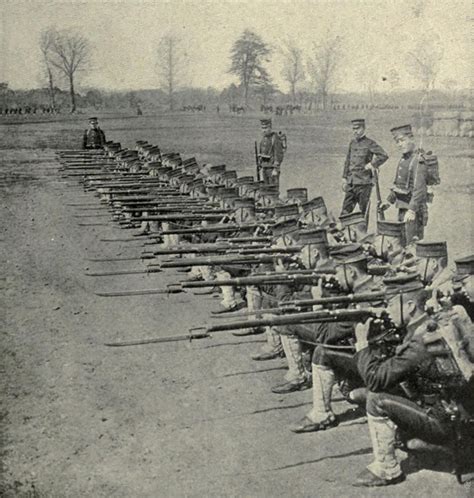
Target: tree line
[{"x": 311, "y": 78}]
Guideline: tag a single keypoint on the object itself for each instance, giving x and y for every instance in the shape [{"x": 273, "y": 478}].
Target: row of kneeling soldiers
[{"x": 386, "y": 319}]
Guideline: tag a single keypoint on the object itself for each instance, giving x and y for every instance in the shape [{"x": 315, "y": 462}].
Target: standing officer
[
  {"x": 270, "y": 154},
  {"x": 363, "y": 157},
  {"x": 94, "y": 137},
  {"x": 409, "y": 192}
]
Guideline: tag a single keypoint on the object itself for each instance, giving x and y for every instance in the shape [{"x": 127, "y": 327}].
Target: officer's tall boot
[{"x": 385, "y": 469}]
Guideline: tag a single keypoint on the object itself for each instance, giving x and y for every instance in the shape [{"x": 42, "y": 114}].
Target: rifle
[
  {"x": 380, "y": 211},
  {"x": 359, "y": 315},
  {"x": 222, "y": 260},
  {"x": 269, "y": 278},
  {"x": 206, "y": 215},
  {"x": 257, "y": 162},
  {"x": 212, "y": 248},
  {"x": 224, "y": 227},
  {"x": 349, "y": 299},
  {"x": 286, "y": 306}
]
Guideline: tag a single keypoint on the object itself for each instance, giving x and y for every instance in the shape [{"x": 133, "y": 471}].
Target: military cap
[
  {"x": 316, "y": 203},
  {"x": 464, "y": 266},
  {"x": 109, "y": 142},
  {"x": 268, "y": 190},
  {"x": 245, "y": 180},
  {"x": 175, "y": 173},
  {"x": 352, "y": 219},
  {"x": 229, "y": 175},
  {"x": 313, "y": 236},
  {"x": 197, "y": 182},
  {"x": 265, "y": 122},
  {"x": 284, "y": 227},
  {"x": 431, "y": 249},
  {"x": 227, "y": 191},
  {"x": 404, "y": 130},
  {"x": 164, "y": 170},
  {"x": 391, "y": 228},
  {"x": 245, "y": 203},
  {"x": 93, "y": 119},
  {"x": 188, "y": 179},
  {"x": 128, "y": 153},
  {"x": 300, "y": 194},
  {"x": 191, "y": 168},
  {"x": 147, "y": 146},
  {"x": 217, "y": 170},
  {"x": 286, "y": 210},
  {"x": 189, "y": 160},
  {"x": 358, "y": 122},
  {"x": 141, "y": 142},
  {"x": 404, "y": 282},
  {"x": 255, "y": 186},
  {"x": 154, "y": 164},
  {"x": 171, "y": 155},
  {"x": 347, "y": 253}
]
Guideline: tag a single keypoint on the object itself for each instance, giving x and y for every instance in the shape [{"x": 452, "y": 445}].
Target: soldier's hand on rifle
[
  {"x": 369, "y": 167},
  {"x": 433, "y": 305},
  {"x": 361, "y": 333},
  {"x": 317, "y": 293},
  {"x": 344, "y": 185},
  {"x": 409, "y": 216},
  {"x": 384, "y": 206},
  {"x": 275, "y": 170}
]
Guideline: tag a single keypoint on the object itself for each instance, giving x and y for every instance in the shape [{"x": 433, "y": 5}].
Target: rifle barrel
[{"x": 297, "y": 318}]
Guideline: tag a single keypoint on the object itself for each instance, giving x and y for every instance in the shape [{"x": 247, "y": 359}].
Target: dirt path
[{"x": 169, "y": 420}]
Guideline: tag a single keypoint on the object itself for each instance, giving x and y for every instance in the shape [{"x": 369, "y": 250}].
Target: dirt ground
[{"x": 177, "y": 419}]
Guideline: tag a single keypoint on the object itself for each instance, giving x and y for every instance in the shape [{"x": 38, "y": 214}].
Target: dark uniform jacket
[
  {"x": 410, "y": 190},
  {"x": 271, "y": 150},
  {"x": 94, "y": 138},
  {"x": 361, "y": 152},
  {"x": 428, "y": 359}
]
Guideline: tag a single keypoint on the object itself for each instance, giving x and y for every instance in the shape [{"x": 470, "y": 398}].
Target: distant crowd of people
[{"x": 28, "y": 109}]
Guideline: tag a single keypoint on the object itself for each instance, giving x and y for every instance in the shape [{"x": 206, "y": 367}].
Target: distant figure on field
[
  {"x": 94, "y": 137},
  {"x": 363, "y": 157}
]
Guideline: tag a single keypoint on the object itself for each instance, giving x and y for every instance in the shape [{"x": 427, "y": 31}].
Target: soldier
[
  {"x": 409, "y": 192},
  {"x": 270, "y": 154},
  {"x": 419, "y": 389},
  {"x": 363, "y": 158},
  {"x": 94, "y": 137}
]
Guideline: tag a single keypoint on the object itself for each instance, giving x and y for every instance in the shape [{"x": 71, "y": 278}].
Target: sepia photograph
[{"x": 237, "y": 249}]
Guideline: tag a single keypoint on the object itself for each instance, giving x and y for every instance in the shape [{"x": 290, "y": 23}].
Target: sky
[{"x": 377, "y": 35}]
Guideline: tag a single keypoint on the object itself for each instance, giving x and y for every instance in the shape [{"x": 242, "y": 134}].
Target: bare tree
[
  {"x": 170, "y": 62},
  {"x": 71, "y": 54},
  {"x": 248, "y": 55},
  {"x": 293, "y": 70},
  {"x": 424, "y": 62},
  {"x": 323, "y": 66},
  {"x": 46, "y": 42}
]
